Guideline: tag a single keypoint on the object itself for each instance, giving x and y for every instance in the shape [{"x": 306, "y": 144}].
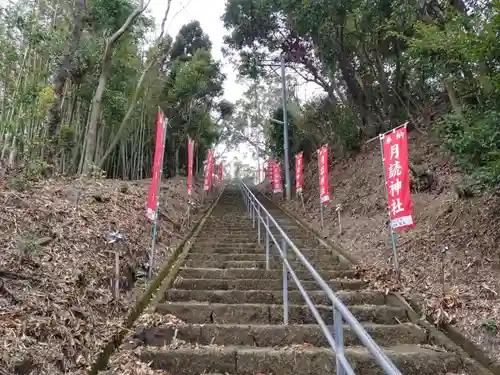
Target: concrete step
[
  {"x": 262, "y": 284},
  {"x": 199, "y": 312},
  {"x": 242, "y": 273},
  {"x": 224, "y": 233},
  {"x": 236, "y": 249},
  {"x": 260, "y": 265},
  {"x": 260, "y": 255},
  {"x": 232, "y": 313},
  {"x": 214, "y": 240},
  {"x": 304, "y": 360},
  {"x": 228, "y": 245},
  {"x": 277, "y": 335},
  {"x": 226, "y": 229},
  {"x": 272, "y": 297}
]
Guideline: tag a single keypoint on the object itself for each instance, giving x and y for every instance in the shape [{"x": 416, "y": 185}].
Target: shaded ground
[
  {"x": 467, "y": 228},
  {"x": 126, "y": 361},
  {"x": 57, "y": 271}
]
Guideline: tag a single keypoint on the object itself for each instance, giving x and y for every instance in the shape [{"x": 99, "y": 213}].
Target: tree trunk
[
  {"x": 157, "y": 61},
  {"x": 66, "y": 68},
  {"x": 89, "y": 154},
  {"x": 455, "y": 104},
  {"x": 95, "y": 112},
  {"x": 177, "y": 167}
]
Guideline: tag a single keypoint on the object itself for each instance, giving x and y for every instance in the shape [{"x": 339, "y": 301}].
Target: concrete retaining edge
[
  {"x": 153, "y": 294},
  {"x": 450, "y": 338}
]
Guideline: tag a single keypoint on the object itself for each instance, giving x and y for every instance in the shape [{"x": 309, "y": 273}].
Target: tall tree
[
  {"x": 89, "y": 154},
  {"x": 66, "y": 68}
]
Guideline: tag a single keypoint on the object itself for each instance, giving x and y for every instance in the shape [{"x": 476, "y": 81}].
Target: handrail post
[
  {"x": 253, "y": 216},
  {"x": 339, "y": 340},
  {"x": 285, "y": 282},
  {"x": 268, "y": 229},
  {"x": 258, "y": 223},
  {"x": 340, "y": 312}
]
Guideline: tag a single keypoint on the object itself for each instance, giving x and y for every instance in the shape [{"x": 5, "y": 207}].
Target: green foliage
[
  {"x": 28, "y": 246},
  {"x": 20, "y": 183},
  {"x": 275, "y": 134},
  {"x": 491, "y": 326},
  {"x": 190, "y": 39},
  {"x": 474, "y": 139},
  {"x": 381, "y": 63},
  {"x": 33, "y": 171},
  {"x": 66, "y": 137},
  {"x": 186, "y": 82},
  {"x": 45, "y": 98},
  {"x": 108, "y": 15},
  {"x": 324, "y": 120}
]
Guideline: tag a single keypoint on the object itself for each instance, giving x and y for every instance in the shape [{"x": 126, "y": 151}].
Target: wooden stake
[
  {"x": 117, "y": 276},
  {"x": 338, "y": 209}
]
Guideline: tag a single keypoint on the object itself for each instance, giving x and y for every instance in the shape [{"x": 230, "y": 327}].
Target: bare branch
[
  {"x": 128, "y": 22},
  {"x": 165, "y": 16}
]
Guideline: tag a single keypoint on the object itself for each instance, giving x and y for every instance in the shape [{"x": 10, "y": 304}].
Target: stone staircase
[{"x": 232, "y": 307}]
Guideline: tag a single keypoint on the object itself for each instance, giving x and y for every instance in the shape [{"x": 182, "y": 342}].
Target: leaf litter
[
  {"x": 450, "y": 263},
  {"x": 57, "y": 268}
]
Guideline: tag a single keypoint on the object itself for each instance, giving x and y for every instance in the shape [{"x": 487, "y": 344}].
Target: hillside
[
  {"x": 467, "y": 227},
  {"x": 57, "y": 271}
]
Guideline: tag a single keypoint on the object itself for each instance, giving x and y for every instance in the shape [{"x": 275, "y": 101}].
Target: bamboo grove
[{"x": 81, "y": 82}]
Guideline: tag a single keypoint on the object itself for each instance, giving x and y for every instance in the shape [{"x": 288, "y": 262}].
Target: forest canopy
[
  {"x": 379, "y": 64},
  {"x": 80, "y": 86}
]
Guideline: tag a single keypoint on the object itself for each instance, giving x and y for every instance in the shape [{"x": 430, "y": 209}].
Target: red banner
[
  {"x": 298, "y": 172},
  {"x": 397, "y": 178},
  {"x": 190, "y": 166},
  {"x": 270, "y": 171},
  {"x": 277, "y": 188},
  {"x": 221, "y": 172},
  {"x": 209, "y": 171},
  {"x": 154, "y": 188},
  {"x": 324, "y": 195}
]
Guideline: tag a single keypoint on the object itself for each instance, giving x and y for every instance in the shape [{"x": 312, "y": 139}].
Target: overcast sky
[{"x": 208, "y": 13}]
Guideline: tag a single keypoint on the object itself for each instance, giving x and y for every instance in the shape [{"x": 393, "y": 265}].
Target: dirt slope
[
  {"x": 468, "y": 228},
  {"x": 57, "y": 270}
]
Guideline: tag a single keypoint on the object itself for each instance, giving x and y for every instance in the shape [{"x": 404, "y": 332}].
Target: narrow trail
[{"x": 232, "y": 312}]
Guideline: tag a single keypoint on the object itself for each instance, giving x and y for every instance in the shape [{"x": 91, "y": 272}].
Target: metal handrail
[{"x": 341, "y": 313}]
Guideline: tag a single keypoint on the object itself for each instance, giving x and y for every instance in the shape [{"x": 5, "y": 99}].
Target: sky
[{"x": 209, "y": 13}]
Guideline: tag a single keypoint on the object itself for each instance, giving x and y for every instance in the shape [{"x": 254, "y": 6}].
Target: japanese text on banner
[
  {"x": 397, "y": 179},
  {"x": 323, "y": 175},
  {"x": 209, "y": 171},
  {"x": 270, "y": 171},
  {"x": 190, "y": 166},
  {"x": 154, "y": 188},
  {"x": 277, "y": 188},
  {"x": 298, "y": 172}
]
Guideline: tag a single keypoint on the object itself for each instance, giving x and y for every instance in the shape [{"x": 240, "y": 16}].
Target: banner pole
[
  {"x": 320, "y": 203},
  {"x": 393, "y": 233},
  {"x": 155, "y": 229},
  {"x": 190, "y": 167}
]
